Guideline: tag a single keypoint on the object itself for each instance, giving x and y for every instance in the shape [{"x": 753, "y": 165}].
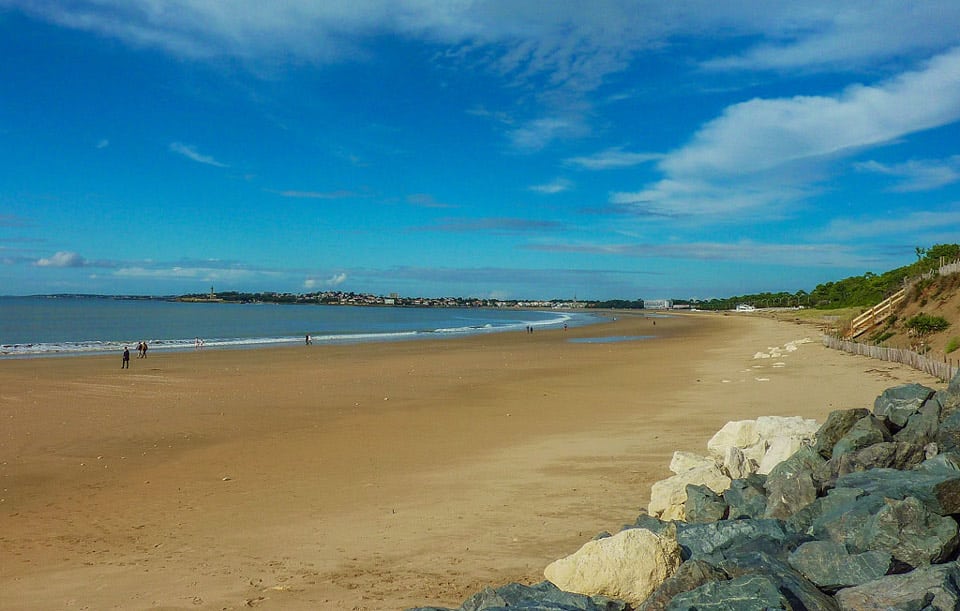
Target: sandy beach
[{"x": 372, "y": 477}]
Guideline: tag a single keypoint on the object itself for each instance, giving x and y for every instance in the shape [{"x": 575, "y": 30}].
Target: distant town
[{"x": 366, "y": 299}]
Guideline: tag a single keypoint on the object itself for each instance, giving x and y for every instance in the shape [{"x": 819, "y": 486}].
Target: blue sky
[{"x": 502, "y": 149}]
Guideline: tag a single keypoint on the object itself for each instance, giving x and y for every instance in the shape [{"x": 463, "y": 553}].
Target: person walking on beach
[{"x": 126, "y": 358}]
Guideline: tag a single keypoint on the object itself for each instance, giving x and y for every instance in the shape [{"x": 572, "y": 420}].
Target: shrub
[{"x": 924, "y": 324}]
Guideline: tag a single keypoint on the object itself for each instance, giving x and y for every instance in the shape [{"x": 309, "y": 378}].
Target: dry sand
[{"x": 371, "y": 476}]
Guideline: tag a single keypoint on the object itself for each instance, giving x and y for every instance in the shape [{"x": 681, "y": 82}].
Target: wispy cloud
[
  {"x": 917, "y": 175},
  {"x": 826, "y": 254},
  {"x": 909, "y": 223},
  {"x": 810, "y": 36},
  {"x": 613, "y": 158},
  {"x": 553, "y": 187},
  {"x": 340, "y": 194},
  {"x": 11, "y": 220},
  {"x": 563, "y": 51},
  {"x": 62, "y": 259},
  {"x": 190, "y": 152},
  {"x": 425, "y": 200},
  {"x": 311, "y": 284},
  {"x": 767, "y": 152},
  {"x": 537, "y": 134},
  {"x": 494, "y": 225}
]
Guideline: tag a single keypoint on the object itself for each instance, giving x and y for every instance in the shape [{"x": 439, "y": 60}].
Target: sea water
[{"x": 63, "y": 325}]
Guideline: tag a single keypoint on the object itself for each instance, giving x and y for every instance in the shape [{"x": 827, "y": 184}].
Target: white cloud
[
  {"x": 190, "y": 152},
  {"x": 795, "y": 254},
  {"x": 934, "y": 222},
  {"x": 764, "y": 133},
  {"x": 62, "y": 259},
  {"x": 577, "y": 43},
  {"x": 839, "y": 35},
  {"x": 918, "y": 175},
  {"x": 537, "y": 134},
  {"x": 559, "y": 51},
  {"x": 766, "y": 152},
  {"x": 556, "y": 186},
  {"x": 613, "y": 158},
  {"x": 335, "y": 280},
  {"x": 342, "y": 194}
]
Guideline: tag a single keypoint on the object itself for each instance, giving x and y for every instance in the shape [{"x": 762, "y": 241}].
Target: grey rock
[
  {"x": 691, "y": 575},
  {"x": 746, "y": 498},
  {"x": 705, "y": 540},
  {"x": 911, "y": 533},
  {"x": 790, "y": 485},
  {"x": 949, "y": 402},
  {"x": 654, "y": 525},
  {"x": 939, "y": 491},
  {"x": 836, "y": 498},
  {"x": 703, "y": 505},
  {"x": 909, "y": 591},
  {"x": 848, "y": 523},
  {"x": 765, "y": 544},
  {"x": 895, "y": 405},
  {"x": 830, "y": 567},
  {"x": 883, "y": 455},
  {"x": 837, "y": 425},
  {"x": 800, "y": 592},
  {"x": 747, "y": 593},
  {"x": 922, "y": 426},
  {"x": 865, "y": 432},
  {"x": 954, "y": 386},
  {"x": 543, "y": 596},
  {"x": 948, "y": 434},
  {"x": 945, "y": 462},
  {"x": 787, "y": 496}
]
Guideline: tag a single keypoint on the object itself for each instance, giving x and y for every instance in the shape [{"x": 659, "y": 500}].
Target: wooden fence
[{"x": 942, "y": 367}]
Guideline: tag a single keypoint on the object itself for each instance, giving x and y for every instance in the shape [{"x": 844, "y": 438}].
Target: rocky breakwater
[{"x": 857, "y": 513}]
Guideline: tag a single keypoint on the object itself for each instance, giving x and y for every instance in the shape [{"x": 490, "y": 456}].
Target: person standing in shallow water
[{"x": 126, "y": 358}]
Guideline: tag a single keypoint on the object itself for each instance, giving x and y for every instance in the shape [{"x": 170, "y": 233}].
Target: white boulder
[
  {"x": 685, "y": 461},
  {"x": 668, "y": 496},
  {"x": 780, "y": 450},
  {"x": 736, "y": 434},
  {"x": 736, "y": 465},
  {"x": 628, "y": 566}
]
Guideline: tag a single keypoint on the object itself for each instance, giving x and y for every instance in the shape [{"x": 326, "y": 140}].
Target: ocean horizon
[{"x": 61, "y": 325}]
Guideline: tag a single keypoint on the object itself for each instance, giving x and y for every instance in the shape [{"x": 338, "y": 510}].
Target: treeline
[
  {"x": 620, "y": 304},
  {"x": 857, "y": 291}
]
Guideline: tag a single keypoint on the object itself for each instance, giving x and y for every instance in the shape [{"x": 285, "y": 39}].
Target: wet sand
[{"x": 371, "y": 477}]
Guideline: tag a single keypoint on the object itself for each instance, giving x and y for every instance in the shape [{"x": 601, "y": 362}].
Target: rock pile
[{"x": 859, "y": 513}]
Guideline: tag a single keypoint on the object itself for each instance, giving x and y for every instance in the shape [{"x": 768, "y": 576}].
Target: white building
[{"x": 657, "y": 304}]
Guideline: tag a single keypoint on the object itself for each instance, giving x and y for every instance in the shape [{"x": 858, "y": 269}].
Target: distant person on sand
[{"x": 126, "y": 358}]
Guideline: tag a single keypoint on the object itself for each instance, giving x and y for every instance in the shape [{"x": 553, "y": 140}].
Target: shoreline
[
  {"x": 373, "y": 476},
  {"x": 334, "y": 335}
]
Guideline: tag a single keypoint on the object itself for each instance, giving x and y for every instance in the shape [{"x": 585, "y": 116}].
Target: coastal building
[{"x": 657, "y": 304}]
